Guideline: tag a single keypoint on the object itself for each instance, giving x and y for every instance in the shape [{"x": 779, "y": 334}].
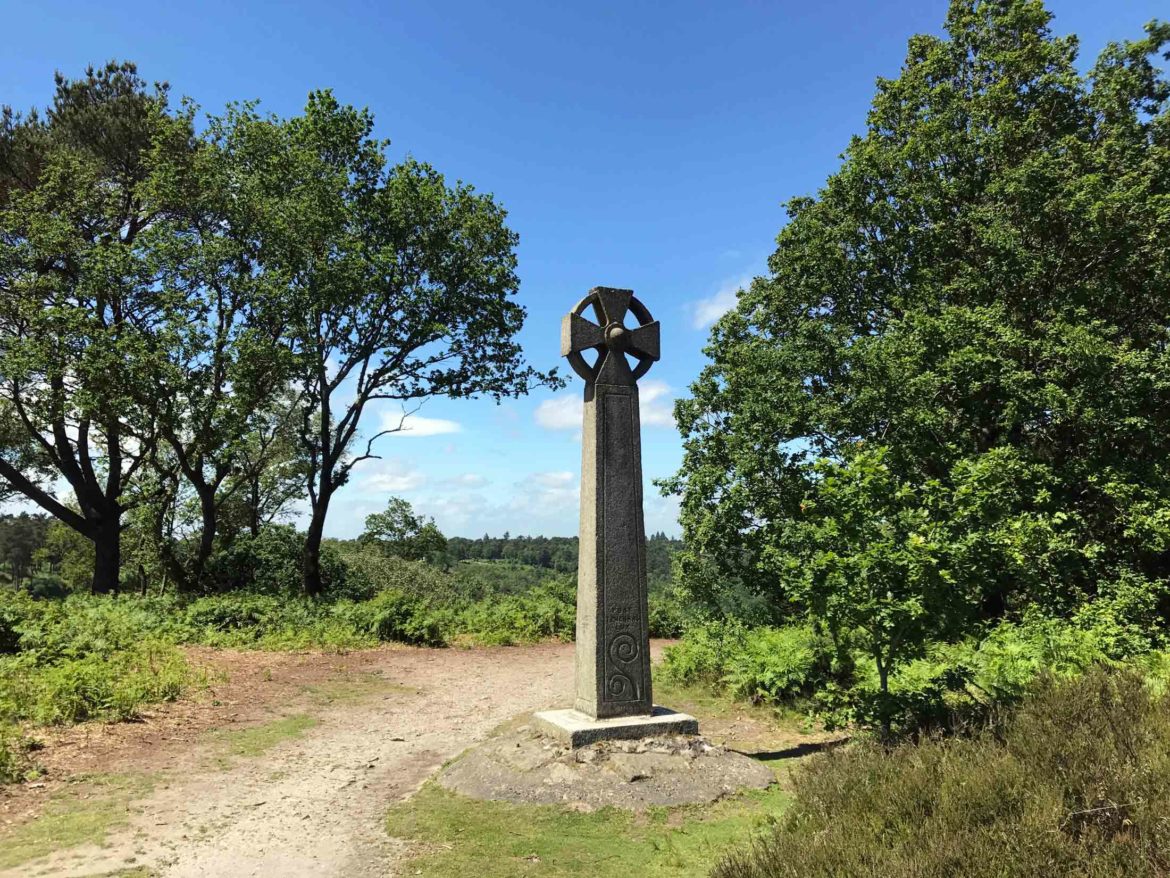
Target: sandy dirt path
[{"x": 379, "y": 723}]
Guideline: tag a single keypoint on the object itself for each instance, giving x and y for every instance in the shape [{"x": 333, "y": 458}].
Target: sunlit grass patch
[
  {"x": 256, "y": 740},
  {"x": 451, "y": 835},
  {"x": 84, "y": 812}
]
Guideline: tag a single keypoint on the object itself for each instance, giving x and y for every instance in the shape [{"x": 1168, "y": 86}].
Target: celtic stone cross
[{"x": 613, "y": 640}]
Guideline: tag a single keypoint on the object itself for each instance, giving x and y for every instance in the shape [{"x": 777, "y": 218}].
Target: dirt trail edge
[{"x": 312, "y": 804}]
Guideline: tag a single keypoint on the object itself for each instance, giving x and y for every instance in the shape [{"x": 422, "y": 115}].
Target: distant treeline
[
  {"x": 23, "y": 540},
  {"x": 553, "y": 553}
]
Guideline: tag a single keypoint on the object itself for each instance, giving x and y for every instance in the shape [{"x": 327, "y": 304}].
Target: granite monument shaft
[{"x": 613, "y": 640}]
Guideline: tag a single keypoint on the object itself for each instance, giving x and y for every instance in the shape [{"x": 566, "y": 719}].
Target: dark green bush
[
  {"x": 1075, "y": 782},
  {"x": 545, "y": 611},
  {"x": 668, "y": 613},
  {"x": 369, "y": 571},
  {"x": 393, "y": 615},
  {"x": 762, "y": 664},
  {"x": 270, "y": 563}
]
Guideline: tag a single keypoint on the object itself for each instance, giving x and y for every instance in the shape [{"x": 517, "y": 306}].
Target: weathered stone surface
[
  {"x": 613, "y": 635},
  {"x": 526, "y": 767},
  {"x": 575, "y": 729}
]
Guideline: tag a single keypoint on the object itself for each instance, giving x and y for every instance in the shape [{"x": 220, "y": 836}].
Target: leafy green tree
[
  {"x": 396, "y": 286},
  {"x": 272, "y": 467},
  {"x": 20, "y": 538},
  {"x": 68, "y": 554},
  {"x": 400, "y": 531},
  {"x": 81, "y": 303},
  {"x": 978, "y": 300},
  {"x": 224, "y": 363}
]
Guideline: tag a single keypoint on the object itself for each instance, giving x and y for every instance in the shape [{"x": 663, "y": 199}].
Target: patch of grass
[
  {"x": 83, "y": 813},
  {"x": 256, "y": 740},
  {"x": 354, "y": 687},
  {"x": 456, "y": 836}
]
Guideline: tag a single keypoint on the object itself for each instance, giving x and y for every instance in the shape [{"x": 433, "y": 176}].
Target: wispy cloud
[
  {"x": 657, "y": 404},
  {"x": 391, "y": 476},
  {"x": 561, "y": 412},
  {"x": 467, "y": 480},
  {"x": 564, "y": 412},
  {"x": 706, "y": 311},
  {"x": 417, "y": 425}
]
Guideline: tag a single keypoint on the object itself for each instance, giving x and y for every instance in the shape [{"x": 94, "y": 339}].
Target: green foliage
[
  {"x": 547, "y": 611},
  {"x": 394, "y": 615},
  {"x": 270, "y": 562},
  {"x": 554, "y": 553},
  {"x": 85, "y": 658},
  {"x": 400, "y": 532},
  {"x": 16, "y": 764},
  {"x": 20, "y": 537},
  {"x": 947, "y": 403},
  {"x": 368, "y": 571},
  {"x": 84, "y": 302},
  {"x": 1077, "y": 782},
  {"x": 757, "y": 664}
]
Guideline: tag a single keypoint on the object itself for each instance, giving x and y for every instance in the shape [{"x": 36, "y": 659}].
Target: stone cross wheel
[{"x": 610, "y": 337}]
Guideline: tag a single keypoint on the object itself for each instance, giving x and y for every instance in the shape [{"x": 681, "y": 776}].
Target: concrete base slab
[{"x": 575, "y": 729}]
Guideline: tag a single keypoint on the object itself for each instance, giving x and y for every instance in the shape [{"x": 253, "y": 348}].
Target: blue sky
[{"x": 641, "y": 145}]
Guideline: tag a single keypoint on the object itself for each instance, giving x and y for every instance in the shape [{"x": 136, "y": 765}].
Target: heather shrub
[{"x": 1075, "y": 781}]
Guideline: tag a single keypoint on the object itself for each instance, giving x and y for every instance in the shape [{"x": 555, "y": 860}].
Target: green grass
[
  {"x": 353, "y": 688},
  {"x": 451, "y": 835},
  {"x": 456, "y": 836},
  {"x": 85, "y": 812},
  {"x": 257, "y": 740}
]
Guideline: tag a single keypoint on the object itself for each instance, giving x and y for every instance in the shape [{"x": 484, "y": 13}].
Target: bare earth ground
[{"x": 285, "y": 765}]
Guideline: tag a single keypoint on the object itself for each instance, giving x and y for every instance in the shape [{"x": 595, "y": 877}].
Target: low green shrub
[
  {"x": 369, "y": 571},
  {"x": 704, "y": 653},
  {"x": 16, "y": 764},
  {"x": 1076, "y": 781},
  {"x": 394, "y": 615},
  {"x": 759, "y": 664},
  {"x": 777, "y": 664},
  {"x": 546, "y": 611},
  {"x": 951, "y": 685},
  {"x": 110, "y": 686},
  {"x": 668, "y": 615}
]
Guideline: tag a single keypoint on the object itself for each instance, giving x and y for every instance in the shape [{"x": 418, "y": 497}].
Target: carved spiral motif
[
  {"x": 623, "y": 648},
  {"x": 619, "y": 686}
]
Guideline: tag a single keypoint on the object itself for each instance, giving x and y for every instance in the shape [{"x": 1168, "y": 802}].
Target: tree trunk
[
  {"x": 884, "y": 686},
  {"x": 107, "y": 555},
  {"x": 210, "y": 515},
  {"x": 312, "y": 582},
  {"x": 254, "y": 506}
]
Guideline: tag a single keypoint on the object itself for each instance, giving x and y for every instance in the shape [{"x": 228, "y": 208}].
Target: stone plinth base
[{"x": 574, "y": 729}]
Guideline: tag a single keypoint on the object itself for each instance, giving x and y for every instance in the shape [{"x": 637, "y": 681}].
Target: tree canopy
[
  {"x": 195, "y": 320},
  {"x": 949, "y": 400}
]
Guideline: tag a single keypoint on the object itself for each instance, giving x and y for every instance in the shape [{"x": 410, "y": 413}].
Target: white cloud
[
  {"x": 564, "y": 412},
  {"x": 467, "y": 480},
  {"x": 657, "y": 405},
  {"x": 553, "y": 480},
  {"x": 390, "y": 476},
  {"x": 561, "y": 412},
  {"x": 546, "y": 496},
  {"x": 417, "y": 425},
  {"x": 706, "y": 311}
]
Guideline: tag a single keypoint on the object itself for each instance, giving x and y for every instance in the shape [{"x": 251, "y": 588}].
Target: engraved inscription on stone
[{"x": 613, "y": 646}]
